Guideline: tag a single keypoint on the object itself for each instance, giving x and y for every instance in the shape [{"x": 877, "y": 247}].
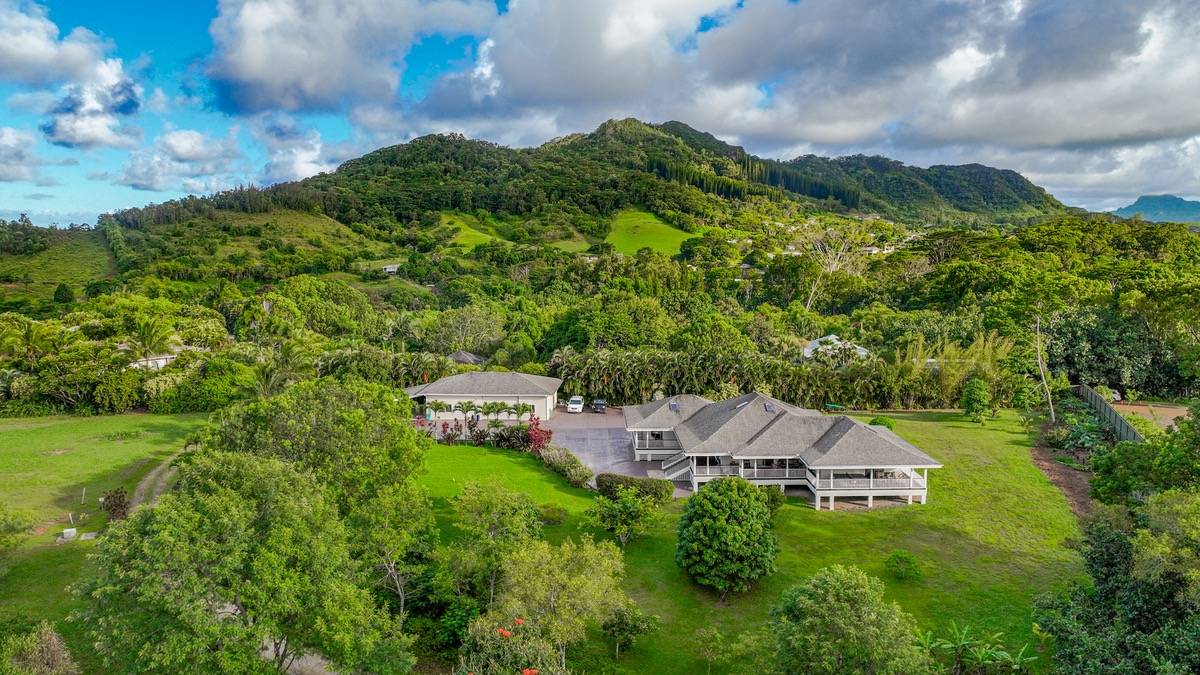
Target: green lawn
[
  {"x": 73, "y": 258},
  {"x": 992, "y": 536},
  {"x": 45, "y": 464},
  {"x": 634, "y": 230}
]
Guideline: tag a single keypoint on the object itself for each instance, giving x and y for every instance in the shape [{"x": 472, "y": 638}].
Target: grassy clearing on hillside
[
  {"x": 73, "y": 258},
  {"x": 45, "y": 463},
  {"x": 634, "y": 230},
  {"x": 470, "y": 231},
  {"x": 299, "y": 228},
  {"x": 991, "y": 537}
]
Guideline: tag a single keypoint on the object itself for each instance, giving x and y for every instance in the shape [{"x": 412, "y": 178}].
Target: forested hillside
[{"x": 530, "y": 257}]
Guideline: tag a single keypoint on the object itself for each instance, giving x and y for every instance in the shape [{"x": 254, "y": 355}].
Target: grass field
[
  {"x": 992, "y": 536},
  {"x": 634, "y": 230},
  {"x": 471, "y": 232},
  {"x": 45, "y": 465},
  {"x": 73, "y": 257}
]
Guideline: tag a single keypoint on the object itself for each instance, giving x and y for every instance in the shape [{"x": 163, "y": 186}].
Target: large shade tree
[
  {"x": 837, "y": 622},
  {"x": 725, "y": 536},
  {"x": 245, "y": 568}
]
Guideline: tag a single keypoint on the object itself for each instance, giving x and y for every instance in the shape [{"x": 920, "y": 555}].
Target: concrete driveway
[{"x": 599, "y": 441}]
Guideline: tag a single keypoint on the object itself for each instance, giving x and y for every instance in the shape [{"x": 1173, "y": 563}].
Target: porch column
[
  {"x": 910, "y": 500},
  {"x": 870, "y": 501},
  {"x": 817, "y": 500},
  {"x": 832, "y": 507}
]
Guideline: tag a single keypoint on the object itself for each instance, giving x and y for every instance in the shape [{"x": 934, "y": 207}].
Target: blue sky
[{"x": 121, "y": 103}]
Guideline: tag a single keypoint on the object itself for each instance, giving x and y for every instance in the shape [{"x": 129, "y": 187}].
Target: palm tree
[
  {"x": 521, "y": 409},
  {"x": 466, "y": 408},
  {"x": 151, "y": 336},
  {"x": 269, "y": 379},
  {"x": 28, "y": 342}
]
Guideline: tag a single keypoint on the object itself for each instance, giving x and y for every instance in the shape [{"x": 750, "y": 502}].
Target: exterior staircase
[{"x": 676, "y": 466}]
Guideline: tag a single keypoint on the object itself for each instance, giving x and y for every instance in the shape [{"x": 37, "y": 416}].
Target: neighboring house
[
  {"x": 769, "y": 442},
  {"x": 484, "y": 387},
  {"x": 833, "y": 343},
  {"x": 157, "y": 361},
  {"x": 467, "y": 358},
  {"x": 390, "y": 269}
]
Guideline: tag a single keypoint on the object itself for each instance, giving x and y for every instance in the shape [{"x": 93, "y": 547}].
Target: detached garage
[{"x": 485, "y": 387}]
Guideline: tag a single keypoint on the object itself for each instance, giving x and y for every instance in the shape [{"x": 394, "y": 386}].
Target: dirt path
[
  {"x": 150, "y": 488},
  {"x": 1072, "y": 482}
]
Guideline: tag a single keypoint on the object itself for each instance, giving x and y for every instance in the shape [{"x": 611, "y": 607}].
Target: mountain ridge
[{"x": 1162, "y": 208}]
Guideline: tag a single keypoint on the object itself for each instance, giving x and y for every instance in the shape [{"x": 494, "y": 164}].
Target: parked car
[
  {"x": 575, "y": 405},
  {"x": 599, "y": 405}
]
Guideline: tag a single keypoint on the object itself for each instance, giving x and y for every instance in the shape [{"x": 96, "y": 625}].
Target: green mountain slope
[
  {"x": 450, "y": 193},
  {"x": 1162, "y": 209}
]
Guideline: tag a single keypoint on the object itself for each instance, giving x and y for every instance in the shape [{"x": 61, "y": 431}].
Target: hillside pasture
[
  {"x": 633, "y": 230},
  {"x": 74, "y": 258}
]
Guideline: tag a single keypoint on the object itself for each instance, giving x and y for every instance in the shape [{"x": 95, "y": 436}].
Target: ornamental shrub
[
  {"x": 902, "y": 565},
  {"x": 657, "y": 489},
  {"x": 566, "y": 464},
  {"x": 883, "y": 422}
]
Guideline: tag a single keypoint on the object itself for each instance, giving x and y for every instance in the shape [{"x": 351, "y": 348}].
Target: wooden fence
[{"x": 1122, "y": 429}]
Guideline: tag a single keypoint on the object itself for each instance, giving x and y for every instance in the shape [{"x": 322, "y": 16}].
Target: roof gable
[{"x": 665, "y": 413}]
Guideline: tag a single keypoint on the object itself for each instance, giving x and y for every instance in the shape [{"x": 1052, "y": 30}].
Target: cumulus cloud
[
  {"x": 295, "y": 151},
  {"x": 183, "y": 158},
  {"x": 17, "y": 161},
  {"x": 87, "y": 97},
  {"x": 1106, "y": 86},
  {"x": 32, "y": 52},
  {"x": 299, "y": 55},
  {"x": 92, "y": 112}
]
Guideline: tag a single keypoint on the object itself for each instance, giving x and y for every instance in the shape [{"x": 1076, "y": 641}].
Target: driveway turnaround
[
  {"x": 599, "y": 440},
  {"x": 602, "y": 444}
]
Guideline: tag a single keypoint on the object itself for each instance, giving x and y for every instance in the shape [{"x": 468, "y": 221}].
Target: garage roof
[{"x": 488, "y": 384}]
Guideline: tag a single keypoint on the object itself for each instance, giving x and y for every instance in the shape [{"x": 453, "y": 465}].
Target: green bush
[
  {"x": 564, "y": 463},
  {"x": 902, "y": 565},
  {"x": 657, "y": 489},
  {"x": 775, "y": 497},
  {"x": 552, "y": 514},
  {"x": 883, "y": 422},
  {"x": 118, "y": 391}
]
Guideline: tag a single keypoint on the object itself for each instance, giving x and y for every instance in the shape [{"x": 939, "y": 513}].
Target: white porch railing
[
  {"x": 915, "y": 482},
  {"x": 716, "y": 470}
]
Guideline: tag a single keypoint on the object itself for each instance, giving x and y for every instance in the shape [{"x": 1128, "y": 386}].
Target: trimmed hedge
[
  {"x": 566, "y": 464},
  {"x": 657, "y": 489}
]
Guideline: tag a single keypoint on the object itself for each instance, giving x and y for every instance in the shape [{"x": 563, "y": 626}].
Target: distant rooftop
[{"x": 488, "y": 384}]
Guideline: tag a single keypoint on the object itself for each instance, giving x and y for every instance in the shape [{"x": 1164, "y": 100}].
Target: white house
[
  {"x": 769, "y": 442},
  {"x": 484, "y": 387},
  {"x": 833, "y": 343}
]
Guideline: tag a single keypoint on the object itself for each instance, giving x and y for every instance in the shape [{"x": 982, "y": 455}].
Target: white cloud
[
  {"x": 300, "y": 55},
  {"x": 184, "y": 158},
  {"x": 295, "y": 151},
  {"x": 17, "y": 160},
  {"x": 32, "y": 52}
]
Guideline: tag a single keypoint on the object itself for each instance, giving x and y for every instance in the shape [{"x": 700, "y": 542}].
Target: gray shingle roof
[
  {"x": 660, "y": 414},
  {"x": 488, "y": 384},
  {"x": 754, "y": 425}
]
